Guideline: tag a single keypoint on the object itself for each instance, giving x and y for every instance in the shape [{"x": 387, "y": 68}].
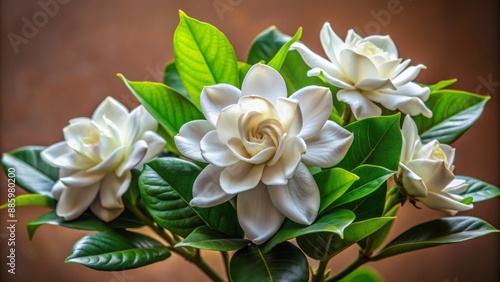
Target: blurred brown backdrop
[{"x": 67, "y": 64}]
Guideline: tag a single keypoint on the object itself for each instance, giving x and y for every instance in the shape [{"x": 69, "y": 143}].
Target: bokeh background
[{"x": 66, "y": 65}]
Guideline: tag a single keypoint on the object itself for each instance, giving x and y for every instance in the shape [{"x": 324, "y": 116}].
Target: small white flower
[
  {"x": 368, "y": 71},
  {"x": 96, "y": 157},
  {"x": 426, "y": 172},
  {"x": 258, "y": 142}
]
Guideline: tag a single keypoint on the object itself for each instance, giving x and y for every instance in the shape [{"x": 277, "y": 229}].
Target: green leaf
[
  {"x": 32, "y": 200},
  {"x": 334, "y": 222},
  {"x": 169, "y": 108},
  {"x": 116, "y": 250},
  {"x": 166, "y": 189},
  {"x": 377, "y": 141},
  {"x": 438, "y": 232},
  {"x": 362, "y": 274},
  {"x": 370, "y": 179},
  {"x": 453, "y": 113},
  {"x": 203, "y": 56},
  {"x": 332, "y": 184},
  {"x": 277, "y": 61},
  {"x": 243, "y": 69},
  {"x": 442, "y": 84},
  {"x": 86, "y": 221},
  {"x": 206, "y": 238},
  {"x": 133, "y": 195},
  {"x": 266, "y": 45},
  {"x": 479, "y": 190},
  {"x": 285, "y": 262},
  {"x": 30, "y": 171},
  {"x": 171, "y": 78},
  {"x": 321, "y": 245}
]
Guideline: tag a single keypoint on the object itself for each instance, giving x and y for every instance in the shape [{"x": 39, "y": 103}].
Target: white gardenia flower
[
  {"x": 96, "y": 157},
  {"x": 368, "y": 71},
  {"x": 257, "y": 143},
  {"x": 426, "y": 172}
]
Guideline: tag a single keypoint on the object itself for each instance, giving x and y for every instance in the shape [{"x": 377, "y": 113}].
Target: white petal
[
  {"x": 356, "y": 66},
  {"x": 329, "y": 147},
  {"x": 155, "y": 142},
  {"x": 385, "y": 43},
  {"x": 111, "y": 162},
  {"x": 295, "y": 147},
  {"x": 400, "y": 68},
  {"x": 214, "y": 152},
  {"x": 104, "y": 214},
  {"x": 352, "y": 37},
  {"x": 316, "y": 105},
  {"x": 237, "y": 149},
  {"x": 443, "y": 203},
  {"x": 83, "y": 136},
  {"x": 139, "y": 122},
  {"x": 274, "y": 175},
  {"x": 259, "y": 104},
  {"x": 206, "y": 188},
  {"x": 257, "y": 215},
  {"x": 74, "y": 201},
  {"x": 290, "y": 115},
  {"x": 331, "y": 43},
  {"x": 412, "y": 183},
  {"x": 227, "y": 124},
  {"x": 298, "y": 200},
  {"x": 82, "y": 179},
  {"x": 57, "y": 189},
  {"x": 215, "y": 98},
  {"x": 112, "y": 190},
  {"x": 344, "y": 84},
  {"x": 435, "y": 174},
  {"x": 315, "y": 61},
  {"x": 240, "y": 177},
  {"x": 110, "y": 109},
  {"x": 360, "y": 105},
  {"x": 264, "y": 81},
  {"x": 407, "y": 75},
  {"x": 133, "y": 158},
  {"x": 457, "y": 186},
  {"x": 410, "y": 139},
  {"x": 370, "y": 84},
  {"x": 189, "y": 137},
  {"x": 61, "y": 155},
  {"x": 387, "y": 68},
  {"x": 406, "y": 104}
]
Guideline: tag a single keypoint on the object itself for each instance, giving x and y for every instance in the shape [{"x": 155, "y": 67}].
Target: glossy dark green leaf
[
  {"x": 171, "y": 78},
  {"x": 334, "y": 222},
  {"x": 166, "y": 189},
  {"x": 133, "y": 195},
  {"x": 86, "y": 221},
  {"x": 266, "y": 45},
  {"x": 479, "y": 190},
  {"x": 321, "y": 245},
  {"x": 438, "y": 232},
  {"x": 169, "y": 108},
  {"x": 377, "y": 141},
  {"x": 285, "y": 262},
  {"x": 277, "y": 61},
  {"x": 31, "y": 172},
  {"x": 453, "y": 113},
  {"x": 442, "y": 84},
  {"x": 332, "y": 184},
  {"x": 362, "y": 274},
  {"x": 32, "y": 200},
  {"x": 207, "y": 238},
  {"x": 203, "y": 56},
  {"x": 369, "y": 206},
  {"x": 370, "y": 179},
  {"x": 116, "y": 250}
]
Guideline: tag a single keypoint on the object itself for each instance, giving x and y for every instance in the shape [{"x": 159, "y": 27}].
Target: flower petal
[
  {"x": 440, "y": 202},
  {"x": 408, "y": 75},
  {"x": 315, "y": 61},
  {"x": 298, "y": 200},
  {"x": 112, "y": 190},
  {"x": 356, "y": 66},
  {"x": 361, "y": 106},
  {"x": 411, "y": 139},
  {"x": 290, "y": 115},
  {"x": 83, "y": 136},
  {"x": 105, "y": 214},
  {"x": 74, "y": 201},
  {"x": 206, "y": 188},
  {"x": 82, "y": 179},
  {"x": 316, "y": 105},
  {"x": 189, "y": 137},
  {"x": 111, "y": 162},
  {"x": 136, "y": 155},
  {"x": 329, "y": 147},
  {"x": 274, "y": 174},
  {"x": 264, "y": 81},
  {"x": 295, "y": 147},
  {"x": 435, "y": 174},
  {"x": 61, "y": 155},
  {"x": 215, "y": 98},
  {"x": 238, "y": 151},
  {"x": 257, "y": 215},
  {"x": 155, "y": 142},
  {"x": 385, "y": 43},
  {"x": 412, "y": 183},
  {"x": 407, "y": 104},
  {"x": 331, "y": 43},
  {"x": 227, "y": 124},
  {"x": 370, "y": 84},
  {"x": 240, "y": 177},
  {"x": 112, "y": 110},
  {"x": 216, "y": 153}
]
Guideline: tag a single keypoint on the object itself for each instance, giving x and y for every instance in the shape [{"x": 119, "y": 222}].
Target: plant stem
[
  {"x": 346, "y": 115},
  {"x": 355, "y": 264},
  {"x": 320, "y": 273},
  {"x": 225, "y": 258}
]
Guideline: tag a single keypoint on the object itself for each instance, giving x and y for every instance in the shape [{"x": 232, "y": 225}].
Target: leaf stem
[
  {"x": 346, "y": 115},
  {"x": 225, "y": 258},
  {"x": 320, "y": 273},
  {"x": 360, "y": 260}
]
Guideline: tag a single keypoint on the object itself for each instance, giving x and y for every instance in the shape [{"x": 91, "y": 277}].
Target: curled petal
[
  {"x": 406, "y": 104},
  {"x": 257, "y": 215},
  {"x": 371, "y": 84},
  {"x": 240, "y": 177},
  {"x": 316, "y": 105},
  {"x": 138, "y": 151},
  {"x": 290, "y": 115},
  {"x": 61, "y": 155},
  {"x": 74, "y": 201},
  {"x": 206, "y": 188},
  {"x": 385, "y": 43},
  {"x": 441, "y": 202},
  {"x": 105, "y": 214},
  {"x": 155, "y": 145},
  {"x": 356, "y": 66},
  {"x": 329, "y": 147},
  {"x": 264, "y": 81},
  {"x": 274, "y": 175},
  {"x": 435, "y": 174},
  {"x": 189, "y": 137},
  {"x": 83, "y": 136},
  {"x": 82, "y": 179},
  {"x": 334, "y": 80},
  {"x": 331, "y": 43},
  {"x": 215, "y": 98},
  {"x": 298, "y": 200},
  {"x": 112, "y": 110},
  {"x": 361, "y": 106},
  {"x": 227, "y": 124},
  {"x": 214, "y": 152},
  {"x": 238, "y": 152},
  {"x": 315, "y": 61},
  {"x": 113, "y": 160},
  {"x": 412, "y": 183},
  {"x": 411, "y": 139},
  {"x": 112, "y": 189},
  {"x": 408, "y": 75}
]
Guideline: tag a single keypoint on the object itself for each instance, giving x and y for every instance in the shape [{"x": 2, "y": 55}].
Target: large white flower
[
  {"x": 368, "y": 71},
  {"x": 258, "y": 142},
  {"x": 96, "y": 157},
  {"x": 426, "y": 172}
]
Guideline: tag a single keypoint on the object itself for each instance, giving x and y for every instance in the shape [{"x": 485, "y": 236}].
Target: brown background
[{"x": 68, "y": 66}]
